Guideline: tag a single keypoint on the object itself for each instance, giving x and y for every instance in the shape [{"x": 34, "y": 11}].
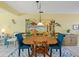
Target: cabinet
[{"x": 70, "y": 40}]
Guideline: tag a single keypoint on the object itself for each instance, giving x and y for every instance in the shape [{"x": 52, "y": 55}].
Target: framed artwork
[{"x": 76, "y": 27}]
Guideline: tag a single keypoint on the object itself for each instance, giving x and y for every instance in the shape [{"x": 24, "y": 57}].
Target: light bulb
[{"x": 2, "y": 30}]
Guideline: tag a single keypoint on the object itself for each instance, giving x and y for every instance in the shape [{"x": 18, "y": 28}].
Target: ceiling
[{"x": 47, "y": 6}]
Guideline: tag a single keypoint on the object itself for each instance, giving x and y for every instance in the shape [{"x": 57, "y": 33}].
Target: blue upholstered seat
[
  {"x": 20, "y": 43},
  {"x": 60, "y": 38}
]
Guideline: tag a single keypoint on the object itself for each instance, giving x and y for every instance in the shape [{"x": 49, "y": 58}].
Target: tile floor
[{"x": 12, "y": 51}]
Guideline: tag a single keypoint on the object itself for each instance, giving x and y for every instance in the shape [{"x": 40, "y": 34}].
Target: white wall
[
  {"x": 6, "y": 22},
  {"x": 66, "y": 21}
]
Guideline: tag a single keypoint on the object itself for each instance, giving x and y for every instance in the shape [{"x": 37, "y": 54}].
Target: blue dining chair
[
  {"x": 4, "y": 38},
  {"x": 58, "y": 45},
  {"x": 21, "y": 45}
]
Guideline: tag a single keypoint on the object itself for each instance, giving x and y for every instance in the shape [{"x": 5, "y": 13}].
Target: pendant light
[{"x": 40, "y": 12}]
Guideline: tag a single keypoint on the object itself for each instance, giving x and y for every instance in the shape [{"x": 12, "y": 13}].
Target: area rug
[{"x": 65, "y": 53}]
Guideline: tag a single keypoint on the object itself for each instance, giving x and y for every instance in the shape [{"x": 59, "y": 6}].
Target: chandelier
[{"x": 40, "y": 12}]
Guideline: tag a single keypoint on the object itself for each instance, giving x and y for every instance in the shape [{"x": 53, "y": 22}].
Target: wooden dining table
[{"x": 31, "y": 40}]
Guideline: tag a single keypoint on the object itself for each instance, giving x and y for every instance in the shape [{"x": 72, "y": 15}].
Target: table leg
[
  {"x": 47, "y": 51},
  {"x": 32, "y": 54},
  {"x": 33, "y": 51}
]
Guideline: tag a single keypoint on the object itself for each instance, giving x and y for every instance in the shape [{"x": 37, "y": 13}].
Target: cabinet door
[
  {"x": 67, "y": 42},
  {"x": 74, "y": 41},
  {"x": 70, "y": 40}
]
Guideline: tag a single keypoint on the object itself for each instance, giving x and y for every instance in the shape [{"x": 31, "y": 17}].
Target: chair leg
[
  {"x": 22, "y": 50},
  {"x": 7, "y": 44},
  {"x": 56, "y": 50},
  {"x": 35, "y": 54},
  {"x": 51, "y": 52},
  {"x": 19, "y": 53},
  {"x": 28, "y": 52},
  {"x": 15, "y": 43},
  {"x": 60, "y": 52},
  {"x": 44, "y": 54}
]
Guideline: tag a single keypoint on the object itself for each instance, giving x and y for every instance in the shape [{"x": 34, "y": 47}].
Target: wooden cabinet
[{"x": 70, "y": 40}]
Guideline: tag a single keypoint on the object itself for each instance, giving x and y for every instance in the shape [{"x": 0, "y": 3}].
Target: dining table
[{"x": 30, "y": 40}]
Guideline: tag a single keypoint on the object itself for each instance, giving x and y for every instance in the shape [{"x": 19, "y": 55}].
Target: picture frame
[{"x": 76, "y": 27}]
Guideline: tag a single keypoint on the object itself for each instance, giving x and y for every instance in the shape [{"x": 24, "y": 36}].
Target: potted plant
[{"x": 68, "y": 30}]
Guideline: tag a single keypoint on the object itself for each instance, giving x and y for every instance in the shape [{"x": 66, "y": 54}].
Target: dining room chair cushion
[{"x": 25, "y": 46}]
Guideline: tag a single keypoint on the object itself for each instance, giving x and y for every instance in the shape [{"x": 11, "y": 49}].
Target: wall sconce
[
  {"x": 13, "y": 21},
  {"x": 3, "y": 30}
]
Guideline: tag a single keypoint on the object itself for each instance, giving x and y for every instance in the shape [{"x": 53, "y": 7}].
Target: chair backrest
[
  {"x": 60, "y": 37},
  {"x": 19, "y": 39}
]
